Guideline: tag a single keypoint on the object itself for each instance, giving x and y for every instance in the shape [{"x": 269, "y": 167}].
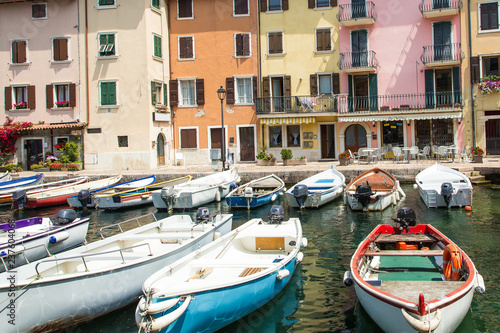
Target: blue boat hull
[{"x": 241, "y": 202}]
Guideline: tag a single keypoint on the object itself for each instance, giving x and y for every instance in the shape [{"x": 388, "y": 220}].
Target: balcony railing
[
  {"x": 357, "y": 61},
  {"x": 350, "y": 13},
  {"x": 438, "y": 54},
  {"x": 435, "y": 8},
  {"x": 343, "y": 104}
]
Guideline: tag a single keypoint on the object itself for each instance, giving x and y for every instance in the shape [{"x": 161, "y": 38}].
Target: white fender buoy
[
  {"x": 59, "y": 237},
  {"x": 217, "y": 196},
  {"x": 273, "y": 197},
  {"x": 480, "y": 287},
  {"x": 397, "y": 195},
  {"x": 348, "y": 281},
  {"x": 300, "y": 257},
  {"x": 345, "y": 198},
  {"x": 217, "y": 235},
  {"x": 160, "y": 323},
  {"x": 283, "y": 274},
  {"x": 156, "y": 307},
  {"x": 401, "y": 192},
  {"x": 420, "y": 325},
  {"x": 394, "y": 201},
  {"x": 415, "y": 186},
  {"x": 303, "y": 242}
]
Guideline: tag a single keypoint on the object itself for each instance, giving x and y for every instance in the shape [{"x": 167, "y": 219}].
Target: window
[
  {"x": 20, "y": 97},
  {"x": 275, "y": 42},
  {"x": 20, "y": 94},
  {"x": 157, "y": 93},
  {"x": 61, "y": 95},
  {"x": 18, "y": 50},
  {"x": 157, "y": 46},
  {"x": 108, "y": 93},
  {"x": 293, "y": 136},
  {"x": 244, "y": 90},
  {"x": 323, "y": 40},
  {"x": 242, "y": 45},
  {"x": 39, "y": 11},
  {"x": 106, "y": 45},
  {"x": 106, "y": 3},
  {"x": 188, "y": 138},
  {"x": 325, "y": 84},
  {"x": 186, "y": 47},
  {"x": 184, "y": 9},
  {"x": 322, "y": 3},
  {"x": 123, "y": 141},
  {"x": 488, "y": 16},
  {"x": 490, "y": 66},
  {"x": 60, "y": 49},
  {"x": 155, "y": 4},
  {"x": 240, "y": 7},
  {"x": 274, "y": 5},
  {"x": 187, "y": 93},
  {"x": 392, "y": 133},
  {"x": 275, "y": 136}
]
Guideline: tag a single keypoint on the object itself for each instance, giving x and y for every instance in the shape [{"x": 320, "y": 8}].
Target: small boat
[
  {"x": 225, "y": 280},
  {"x": 197, "y": 192},
  {"x": 27, "y": 240},
  {"x": 20, "y": 193},
  {"x": 440, "y": 186},
  {"x": 256, "y": 193},
  {"x": 14, "y": 183},
  {"x": 316, "y": 190},
  {"x": 135, "y": 197},
  {"x": 94, "y": 279},
  {"x": 375, "y": 189},
  {"x": 59, "y": 196},
  {"x": 90, "y": 198},
  {"x": 412, "y": 277},
  {"x": 4, "y": 177}
]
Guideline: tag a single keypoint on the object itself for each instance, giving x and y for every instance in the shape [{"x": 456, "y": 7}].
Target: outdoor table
[
  {"x": 406, "y": 151},
  {"x": 452, "y": 150}
]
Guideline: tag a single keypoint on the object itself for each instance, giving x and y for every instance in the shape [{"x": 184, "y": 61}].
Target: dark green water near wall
[{"x": 316, "y": 299}]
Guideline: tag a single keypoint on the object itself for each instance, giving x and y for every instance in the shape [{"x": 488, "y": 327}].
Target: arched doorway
[
  {"x": 355, "y": 137},
  {"x": 160, "y": 149}
]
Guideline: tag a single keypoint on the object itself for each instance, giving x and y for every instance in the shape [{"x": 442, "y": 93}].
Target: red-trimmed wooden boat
[{"x": 413, "y": 278}]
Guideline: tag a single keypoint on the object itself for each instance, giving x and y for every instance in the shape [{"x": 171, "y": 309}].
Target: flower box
[
  {"x": 42, "y": 170},
  {"x": 477, "y": 158},
  {"x": 295, "y": 161},
  {"x": 384, "y": 108},
  {"x": 266, "y": 162},
  {"x": 344, "y": 161}
]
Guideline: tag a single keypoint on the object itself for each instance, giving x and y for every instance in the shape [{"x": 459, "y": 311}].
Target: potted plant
[
  {"x": 477, "y": 155},
  {"x": 344, "y": 158},
  {"x": 20, "y": 105},
  {"x": 286, "y": 154},
  {"x": 55, "y": 167},
  {"x": 62, "y": 104}
]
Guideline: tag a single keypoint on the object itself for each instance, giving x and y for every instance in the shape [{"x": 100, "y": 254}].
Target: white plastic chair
[
  {"x": 424, "y": 153},
  {"x": 398, "y": 154},
  {"x": 413, "y": 152},
  {"x": 362, "y": 155},
  {"x": 354, "y": 156}
]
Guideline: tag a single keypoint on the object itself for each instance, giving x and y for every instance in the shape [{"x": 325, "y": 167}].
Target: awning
[
  {"x": 288, "y": 121},
  {"x": 71, "y": 125},
  {"x": 394, "y": 117}
]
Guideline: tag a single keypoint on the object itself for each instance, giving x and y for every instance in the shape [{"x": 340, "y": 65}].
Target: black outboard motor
[
  {"x": 363, "y": 194},
  {"x": 65, "y": 216},
  {"x": 167, "y": 194},
  {"x": 202, "y": 214},
  {"x": 276, "y": 214},
  {"x": 447, "y": 193},
  {"x": 20, "y": 198},
  {"x": 85, "y": 198},
  {"x": 406, "y": 217},
  {"x": 300, "y": 193}
]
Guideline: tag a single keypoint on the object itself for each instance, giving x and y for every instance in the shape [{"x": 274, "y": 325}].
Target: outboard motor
[
  {"x": 202, "y": 214},
  {"x": 363, "y": 194},
  {"x": 406, "y": 217},
  {"x": 167, "y": 194},
  {"x": 300, "y": 193},
  {"x": 276, "y": 214},
  {"x": 20, "y": 198},
  {"x": 65, "y": 216},
  {"x": 447, "y": 193},
  {"x": 85, "y": 198}
]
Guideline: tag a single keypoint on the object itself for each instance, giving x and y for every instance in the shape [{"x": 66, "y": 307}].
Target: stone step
[
  {"x": 477, "y": 178},
  {"x": 481, "y": 182}
]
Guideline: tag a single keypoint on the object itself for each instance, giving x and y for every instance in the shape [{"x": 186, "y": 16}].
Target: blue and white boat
[
  {"x": 316, "y": 190},
  {"x": 225, "y": 280},
  {"x": 4, "y": 177},
  {"x": 256, "y": 193},
  {"x": 31, "y": 180}
]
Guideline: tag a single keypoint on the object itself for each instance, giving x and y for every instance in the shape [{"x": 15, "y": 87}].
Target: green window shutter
[
  {"x": 155, "y": 3},
  {"x": 108, "y": 93},
  {"x": 153, "y": 93},
  {"x": 349, "y": 97},
  {"x": 457, "y": 93},
  {"x": 165, "y": 96},
  {"x": 373, "y": 91},
  {"x": 429, "y": 88},
  {"x": 157, "y": 46}
]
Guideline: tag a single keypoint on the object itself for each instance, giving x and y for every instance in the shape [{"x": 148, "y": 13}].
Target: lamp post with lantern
[{"x": 221, "y": 92}]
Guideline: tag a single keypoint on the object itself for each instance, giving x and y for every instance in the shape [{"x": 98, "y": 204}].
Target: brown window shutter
[
  {"x": 189, "y": 47},
  {"x": 72, "y": 95},
  {"x": 200, "y": 91},
  {"x": 63, "y": 49},
  {"x": 271, "y": 42},
  {"x": 184, "y": 138},
  {"x": 183, "y": 47},
  {"x": 263, "y": 5},
  {"x": 279, "y": 41},
  {"x": 265, "y": 86},
  {"x": 174, "y": 97},
  {"x": 336, "y": 83},
  {"x": 246, "y": 45},
  {"x": 255, "y": 87},
  {"x": 284, "y": 4},
  {"x": 49, "y": 92},
  {"x": 311, "y": 3},
  {"x": 239, "y": 45},
  {"x": 55, "y": 42},
  {"x": 327, "y": 40},
  {"x": 230, "y": 90},
  {"x": 319, "y": 40},
  {"x": 21, "y": 52},
  {"x": 313, "y": 81},
  {"x": 288, "y": 85},
  {"x": 474, "y": 69},
  {"x": 31, "y": 97},
  {"x": 8, "y": 98}
]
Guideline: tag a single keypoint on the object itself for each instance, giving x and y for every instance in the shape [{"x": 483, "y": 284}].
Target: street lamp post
[{"x": 221, "y": 92}]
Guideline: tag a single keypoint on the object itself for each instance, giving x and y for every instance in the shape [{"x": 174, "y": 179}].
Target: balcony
[
  {"x": 357, "y": 14},
  {"x": 440, "y": 8},
  {"x": 285, "y": 105},
  {"x": 358, "y": 62},
  {"x": 442, "y": 55},
  {"x": 487, "y": 94}
]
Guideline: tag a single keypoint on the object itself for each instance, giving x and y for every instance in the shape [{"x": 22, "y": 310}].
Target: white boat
[
  {"x": 413, "y": 278},
  {"x": 197, "y": 192},
  {"x": 16, "y": 183},
  {"x": 373, "y": 190},
  {"x": 27, "y": 240},
  {"x": 316, "y": 190},
  {"x": 440, "y": 186},
  {"x": 4, "y": 177},
  {"x": 97, "y": 278},
  {"x": 256, "y": 193},
  {"x": 223, "y": 281}
]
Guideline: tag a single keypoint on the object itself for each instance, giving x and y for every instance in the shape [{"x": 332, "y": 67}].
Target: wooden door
[
  {"x": 34, "y": 152},
  {"x": 355, "y": 138},
  {"x": 327, "y": 141},
  {"x": 160, "y": 149},
  {"x": 247, "y": 143}
]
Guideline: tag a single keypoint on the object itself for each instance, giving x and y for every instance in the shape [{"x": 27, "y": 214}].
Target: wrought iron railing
[
  {"x": 353, "y": 11},
  {"x": 442, "y": 53},
  {"x": 355, "y": 60},
  {"x": 296, "y": 104},
  {"x": 438, "y": 5}
]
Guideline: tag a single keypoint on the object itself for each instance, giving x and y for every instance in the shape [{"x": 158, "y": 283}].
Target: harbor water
[{"x": 316, "y": 299}]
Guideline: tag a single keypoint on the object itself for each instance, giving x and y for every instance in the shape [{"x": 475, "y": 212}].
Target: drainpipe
[
  {"x": 471, "y": 86},
  {"x": 87, "y": 75},
  {"x": 259, "y": 59},
  {"x": 172, "y": 113}
]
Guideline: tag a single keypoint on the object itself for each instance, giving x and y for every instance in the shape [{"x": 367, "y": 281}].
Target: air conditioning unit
[{"x": 215, "y": 154}]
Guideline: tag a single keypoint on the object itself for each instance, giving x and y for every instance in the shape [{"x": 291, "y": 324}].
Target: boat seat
[
  {"x": 202, "y": 274},
  {"x": 269, "y": 243},
  {"x": 417, "y": 253},
  {"x": 409, "y": 290},
  {"x": 249, "y": 271},
  {"x": 393, "y": 238}
]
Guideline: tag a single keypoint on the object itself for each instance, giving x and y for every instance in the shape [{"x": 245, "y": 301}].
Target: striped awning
[
  {"x": 288, "y": 121},
  {"x": 395, "y": 117}
]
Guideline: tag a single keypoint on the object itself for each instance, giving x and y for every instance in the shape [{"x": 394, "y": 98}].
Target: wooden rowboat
[{"x": 256, "y": 193}]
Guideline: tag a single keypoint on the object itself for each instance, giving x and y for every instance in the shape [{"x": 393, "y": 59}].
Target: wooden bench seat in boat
[
  {"x": 410, "y": 290},
  {"x": 393, "y": 238},
  {"x": 418, "y": 253}
]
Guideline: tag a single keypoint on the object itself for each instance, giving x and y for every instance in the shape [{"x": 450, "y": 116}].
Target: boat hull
[
  {"x": 380, "y": 204},
  {"x": 316, "y": 199},
  {"x": 433, "y": 198},
  {"x": 241, "y": 202},
  {"x": 135, "y": 200}
]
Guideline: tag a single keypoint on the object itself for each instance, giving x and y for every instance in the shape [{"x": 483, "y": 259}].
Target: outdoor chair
[
  {"x": 354, "y": 156},
  {"x": 425, "y": 153},
  {"x": 398, "y": 154},
  {"x": 413, "y": 152},
  {"x": 442, "y": 152},
  {"x": 362, "y": 155}
]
